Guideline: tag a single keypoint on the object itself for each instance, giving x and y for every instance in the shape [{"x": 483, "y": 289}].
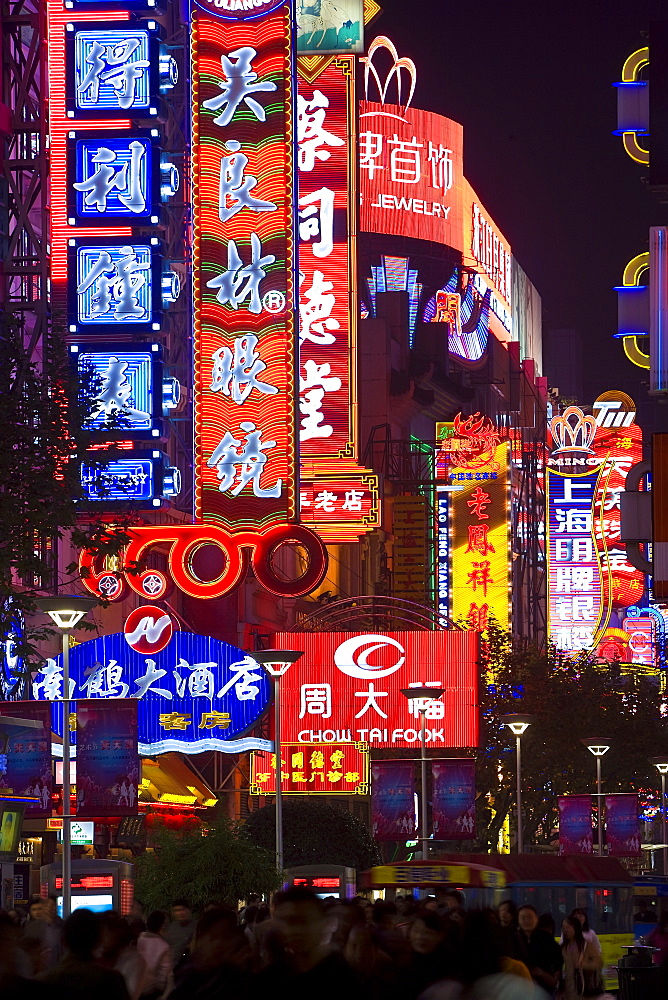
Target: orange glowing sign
[{"x": 313, "y": 769}]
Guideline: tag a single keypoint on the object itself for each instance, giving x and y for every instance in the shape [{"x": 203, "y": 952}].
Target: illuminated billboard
[
  {"x": 347, "y": 687},
  {"x": 330, "y": 26},
  {"x": 313, "y": 769}
]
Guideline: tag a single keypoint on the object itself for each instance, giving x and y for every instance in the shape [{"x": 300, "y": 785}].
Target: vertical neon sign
[{"x": 243, "y": 268}]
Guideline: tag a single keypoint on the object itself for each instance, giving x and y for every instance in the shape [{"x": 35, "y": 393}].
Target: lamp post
[
  {"x": 661, "y": 764},
  {"x": 518, "y": 725},
  {"x": 598, "y": 746},
  {"x": 66, "y": 612},
  {"x": 277, "y": 662},
  {"x": 422, "y": 695}
]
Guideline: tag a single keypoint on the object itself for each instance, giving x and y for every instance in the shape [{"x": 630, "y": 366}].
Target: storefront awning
[{"x": 167, "y": 779}]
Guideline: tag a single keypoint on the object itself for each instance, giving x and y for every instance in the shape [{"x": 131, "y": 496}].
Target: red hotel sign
[{"x": 347, "y": 687}]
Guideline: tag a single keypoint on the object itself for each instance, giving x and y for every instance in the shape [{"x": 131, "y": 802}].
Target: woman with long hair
[{"x": 582, "y": 963}]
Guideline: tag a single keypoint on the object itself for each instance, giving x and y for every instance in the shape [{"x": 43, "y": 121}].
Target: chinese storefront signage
[
  {"x": 196, "y": 694},
  {"x": 347, "y": 687},
  {"x": 334, "y": 769}
]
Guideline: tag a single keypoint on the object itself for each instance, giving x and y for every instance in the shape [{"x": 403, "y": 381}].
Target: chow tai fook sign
[
  {"x": 313, "y": 769},
  {"x": 347, "y": 688}
]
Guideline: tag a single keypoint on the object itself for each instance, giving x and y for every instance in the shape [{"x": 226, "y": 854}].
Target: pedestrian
[
  {"x": 582, "y": 963},
  {"x": 118, "y": 950},
  {"x": 14, "y": 983},
  {"x": 180, "y": 931},
  {"x": 587, "y": 933},
  {"x": 157, "y": 955},
  {"x": 538, "y": 950},
  {"x": 42, "y": 937},
  {"x": 78, "y": 976},
  {"x": 377, "y": 975},
  {"x": 430, "y": 959},
  {"x": 219, "y": 960},
  {"x": 385, "y": 932},
  {"x": 658, "y": 938}
]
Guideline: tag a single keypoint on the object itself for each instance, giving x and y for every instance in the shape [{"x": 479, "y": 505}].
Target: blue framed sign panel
[
  {"x": 141, "y": 480},
  {"x": 118, "y": 286},
  {"x": 120, "y": 388},
  {"x": 117, "y": 70}
]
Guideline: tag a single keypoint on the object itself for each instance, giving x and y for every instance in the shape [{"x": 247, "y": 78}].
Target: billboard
[
  {"x": 313, "y": 769},
  {"x": 196, "y": 694},
  {"x": 330, "y": 26},
  {"x": 453, "y": 799},
  {"x": 347, "y": 687},
  {"x": 622, "y": 825},
  {"x": 392, "y": 800},
  {"x": 108, "y": 765},
  {"x": 575, "y": 825},
  {"x": 25, "y": 755}
]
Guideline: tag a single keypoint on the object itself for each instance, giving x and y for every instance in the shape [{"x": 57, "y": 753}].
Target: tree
[
  {"x": 571, "y": 698},
  {"x": 204, "y": 861},
  {"x": 315, "y": 832}
]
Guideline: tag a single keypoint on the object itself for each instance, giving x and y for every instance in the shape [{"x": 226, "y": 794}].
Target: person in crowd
[
  {"x": 537, "y": 949},
  {"x": 546, "y": 923},
  {"x": 180, "y": 931},
  {"x": 507, "y": 912},
  {"x": 377, "y": 975},
  {"x": 430, "y": 937},
  {"x": 219, "y": 962},
  {"x": 587, "y": 933},
  {"x": 15, "y": 983},
  {"x": 118, "y": 950},
  {"x": 157, "y": 955},
  {"x": 582, "y": 963},
  {"x": 476, "y": 972},
  {"x": 646, "y": 914},
  {"x": 385, "y": 933},
  {"x": 451, "y": 899},
  {"x": 303, "y": 966},
  {"x": 79, "y": 976},
  {"x": 42, "y": 936},
  {"x": 658, "y": 938}
]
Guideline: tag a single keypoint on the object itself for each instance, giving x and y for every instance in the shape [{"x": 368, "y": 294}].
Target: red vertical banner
[{"x": 243, "y": 263}]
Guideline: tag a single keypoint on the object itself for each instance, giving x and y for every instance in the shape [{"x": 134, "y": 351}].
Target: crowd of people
[{"x": 304, "y": 948}]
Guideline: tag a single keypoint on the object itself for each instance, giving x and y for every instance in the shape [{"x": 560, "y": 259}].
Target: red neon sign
[{"x": 89, "y": 882}]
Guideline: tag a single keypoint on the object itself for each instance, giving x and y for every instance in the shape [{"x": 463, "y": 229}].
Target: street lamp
[
  {"x": 66, "y": 612},
  {"x": 599, "y": 746},
  {"x": 661, "y": 764},
  {"x": 277, "y": 662},
  {"x": 518, "y": 725},
  {"x": 422, "y": 695}
]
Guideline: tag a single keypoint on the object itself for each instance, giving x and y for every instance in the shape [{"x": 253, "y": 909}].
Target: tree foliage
[
  {"x": 216, "y": 860},
  {"x": 570, "y": 699},
  {"x": 315, "y": 832}
]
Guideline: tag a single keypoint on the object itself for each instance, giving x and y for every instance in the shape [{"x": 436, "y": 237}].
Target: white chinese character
[
  {"x": 325, "y": 501},
  {"x": 405, "y": 160},
  {"x": 235, "y": 190},
  {"x": 582, "y": 550},
  {"x": 316, "y": 699},
  {"x": 371, "y": 147},
  {"x": 239, "y": 85},
  {"x": 146, "y": 681},
  {"x": 316, "y": 221},
  {"x": 126, "y": 178},
  {"x": 441, "y": 167},
  {"x": 318, "y": 381},
  {"x": 573, "y": 521},
  {"x": 115, "y": 281},
  {"x": 311, "y": 134},
  {"x": 106, "y": 682},
  {"x": 244, "y": 680},
  {"x": 303, "y": 499},
  {"x": 570, "y": 497},
  {"x": 111, "y": 64},
  {"x": 251, "y": 461},
  {"x": 563, "y": 580},
  {"x": 617, "y": 561},
  {"x": 236, "y": 374},
  {"x": 613, "y": 498},
  {"x": 314, "y": 313},
  {"x": 433, "y": 708},
  {"x": 200, "y": 683},
  {"x": 112, "y": 400},
  {"x": 52, "y": 684},
  {"x": 241, "y": 282},
  {"x": 371, "y": 702},
  {"x": 353, "y": 500}
]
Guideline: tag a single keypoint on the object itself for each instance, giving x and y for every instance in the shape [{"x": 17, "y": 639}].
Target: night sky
[{"x": 532, "y": 85}]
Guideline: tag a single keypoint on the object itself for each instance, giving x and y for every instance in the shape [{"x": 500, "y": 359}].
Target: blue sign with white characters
[
  {"x": 117, "y": 177},
  {"x": 113, "y": 70},
  {"x": 117, "y": 284},
  {"x": 195, "y": 695},
  {"x": 120, "y": 388}
]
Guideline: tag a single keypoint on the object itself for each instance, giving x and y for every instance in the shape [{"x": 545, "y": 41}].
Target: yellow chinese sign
[{"x": 312, "y": 769}]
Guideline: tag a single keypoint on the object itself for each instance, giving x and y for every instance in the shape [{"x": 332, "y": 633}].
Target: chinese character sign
[
  {"x": 411, "y": 173},
  {"x": 108, "y": 766},
  {"x": 453, "y": 799},
  {"x": 575, "y": 585},
  {"x": 622, "y": 825},
  {"x": 480, "y": 537},
  {"x": 313, "y": 769},
  {"x": 346, "y": 506},
  {"x": 393, "y": 800},
  {"x": 25, "y": 755},
  {"x": 196, "y": 694},
  {"x": 347, "y": 687},
  {"x": 575, "y": 825},
  {"x": 243, "y": 268}
]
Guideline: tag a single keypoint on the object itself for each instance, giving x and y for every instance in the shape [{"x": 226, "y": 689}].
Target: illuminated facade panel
[
  {"x": 313, "y": 769},
  {"x": 340, "y": 508},
  {"x": 120, "y": 388}
]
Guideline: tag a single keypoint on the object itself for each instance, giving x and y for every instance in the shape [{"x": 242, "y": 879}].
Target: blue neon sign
[
  {"x": 116, "y": 177},
  {"x": 117, "y": 284},
  {"x": 127, "y": 480},
  {"x": 114, "y": 70},
  {"x": 196, "y": 695},
  {"x": 120, "y": 390}
]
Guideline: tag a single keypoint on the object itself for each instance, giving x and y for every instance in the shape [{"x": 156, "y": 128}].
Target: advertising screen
[{"x": 347, "y": 687}]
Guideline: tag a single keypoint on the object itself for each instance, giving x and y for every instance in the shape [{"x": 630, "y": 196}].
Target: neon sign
[
  {"x": 195, "y": 695},
  {"x": 313, "y": 769},
  {"x": 120, "y": 390},
  {"x": 140, "y": 480}
]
